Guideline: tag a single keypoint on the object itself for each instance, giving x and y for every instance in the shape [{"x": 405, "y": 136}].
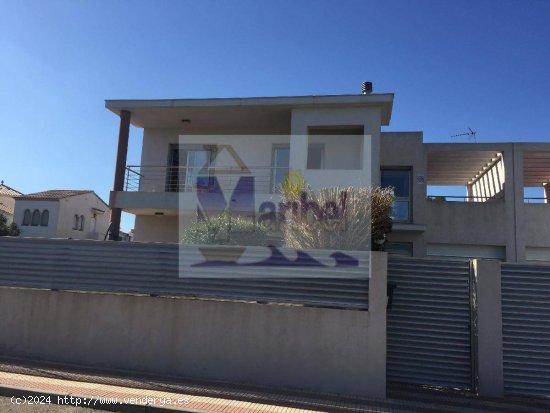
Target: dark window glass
[
  {"x": 27, "y": 217},
  {"x": 315, "y": 156},
  {"x": 45, "y": 218},
  {"x": 35, "y": 218},
  {"x": 400, "y": 180},
  {"x": 399, "y": 248}
]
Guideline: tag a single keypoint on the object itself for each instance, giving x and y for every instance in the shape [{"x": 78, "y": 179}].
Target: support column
[
  {"x": 521, "y": 231},
  {"x": 487, "y": 307},
  {"x": 510, "y": 203},
  {"x": 470, "y": 193},
  {"x": 298, "y": 152},
  {"x": 120, "y": 169},
  {"x": 299, "y": 140},
  {"x": 547, "y": 193},
  {"x": 371, "y": 160},
  {"x": 376, "y": 337}
]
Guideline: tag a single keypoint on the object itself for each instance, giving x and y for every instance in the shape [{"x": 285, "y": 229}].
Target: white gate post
[{"x": 488, "y": 328}]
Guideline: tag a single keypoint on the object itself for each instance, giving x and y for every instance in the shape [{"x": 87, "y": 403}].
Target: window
[
  {"x": 186, "y": 167},
  {"x": 451, "y": 251},
  {"x": 400, "y": 181},
  {"x": 35, "y": 218},
  {"x": 399, "y": 248},
  {"x": 81, "y": 223},
  {"x": 315, "y": 156},
  {"x": 27, "y": 217},
  {"x": 44, "y": 218},
  {"x": 280, "y": 162},
  {"x": 76, "y": 222}
]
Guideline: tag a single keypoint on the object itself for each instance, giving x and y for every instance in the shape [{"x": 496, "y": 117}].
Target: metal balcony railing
[
  {"x": 535, "y": 200},
  {"x": 477, "y": 199},
  {"x": 201, "y": 179}
]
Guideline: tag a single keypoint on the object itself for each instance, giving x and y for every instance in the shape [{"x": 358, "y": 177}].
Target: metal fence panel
[
  {"x": 526, "y": 329},
  {"x": 429, "y": 335},
  {"x": 153, "y": 269}
]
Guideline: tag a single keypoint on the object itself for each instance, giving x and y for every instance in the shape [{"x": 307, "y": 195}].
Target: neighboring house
[
  {"x": 127, "y": 236},
  {"x": 62, "y": 214},
  {"x": 7, "y": 201},
  {"x": 333, "y": 141}
]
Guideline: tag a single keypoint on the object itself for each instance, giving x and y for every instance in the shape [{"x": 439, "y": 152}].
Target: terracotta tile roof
[
  {"x": 54, "y": 194},
  {"x": 6, "y": 190}
]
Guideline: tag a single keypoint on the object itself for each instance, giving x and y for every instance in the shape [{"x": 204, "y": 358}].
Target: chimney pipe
[{"x": 366, "y": 88}]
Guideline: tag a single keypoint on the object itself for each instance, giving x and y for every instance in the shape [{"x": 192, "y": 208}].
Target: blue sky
[{"x": 451, "y": 65}]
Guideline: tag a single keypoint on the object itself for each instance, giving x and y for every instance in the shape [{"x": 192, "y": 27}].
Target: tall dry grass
[{"x": 345, "y": 219}]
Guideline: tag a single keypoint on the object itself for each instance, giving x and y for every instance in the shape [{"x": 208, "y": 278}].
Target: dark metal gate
[
  {"x": 526, "y": 329},
  {"x": 429, "y": 334}
]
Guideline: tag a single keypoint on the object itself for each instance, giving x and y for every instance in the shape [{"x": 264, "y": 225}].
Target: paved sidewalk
[{"x": 99, "y": 390}]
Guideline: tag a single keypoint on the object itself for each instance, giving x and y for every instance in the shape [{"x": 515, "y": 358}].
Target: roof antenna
[{"x": 470, "y": 132}]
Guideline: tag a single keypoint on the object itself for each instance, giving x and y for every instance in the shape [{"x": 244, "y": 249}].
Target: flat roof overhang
[
  {"x": 536, "y": 168},
  {"x": 271, "y": 113},
  {"x": 457, "y": 167},
  {"x": 460, "y": 163}
]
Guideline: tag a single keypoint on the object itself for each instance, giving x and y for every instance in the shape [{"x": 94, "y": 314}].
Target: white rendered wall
[
  {"x": 255, "y": 152},
  {"x": 49, "y": 231},
  {"x": 368, "y": 118},
  {"x": 82, "y": 205}
]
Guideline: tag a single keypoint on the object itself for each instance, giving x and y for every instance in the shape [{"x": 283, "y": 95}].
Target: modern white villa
[
  {"x": 452, "y": 199},
  {"x": 76, "y": 214}
]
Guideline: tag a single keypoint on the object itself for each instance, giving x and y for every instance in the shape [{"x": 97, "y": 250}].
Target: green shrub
[
  {"x": 10, "y": 230},
  {"x": 225, "y": 229}
]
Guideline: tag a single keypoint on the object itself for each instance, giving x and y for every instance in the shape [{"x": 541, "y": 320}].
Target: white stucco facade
[
  {"x": 87, "y": 208},
  {"x": 344, "y": 137}
]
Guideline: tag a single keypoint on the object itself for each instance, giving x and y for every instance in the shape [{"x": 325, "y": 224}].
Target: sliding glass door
[{"x": 188, "y": 168}]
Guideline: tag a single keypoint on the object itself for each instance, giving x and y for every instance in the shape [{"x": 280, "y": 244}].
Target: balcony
[{"x": 260, "y": 180}]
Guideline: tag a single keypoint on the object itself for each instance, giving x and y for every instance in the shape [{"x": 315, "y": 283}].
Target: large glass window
[
  {"x": 280, "y": 163},
  {"x": 197, "y": 160},
  {"x": 400, "y": 181},
  {"x": 186, "y": 168}
]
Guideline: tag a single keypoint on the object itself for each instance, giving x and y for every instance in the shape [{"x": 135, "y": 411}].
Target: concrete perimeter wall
[{"x": 315, "y": 349}]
